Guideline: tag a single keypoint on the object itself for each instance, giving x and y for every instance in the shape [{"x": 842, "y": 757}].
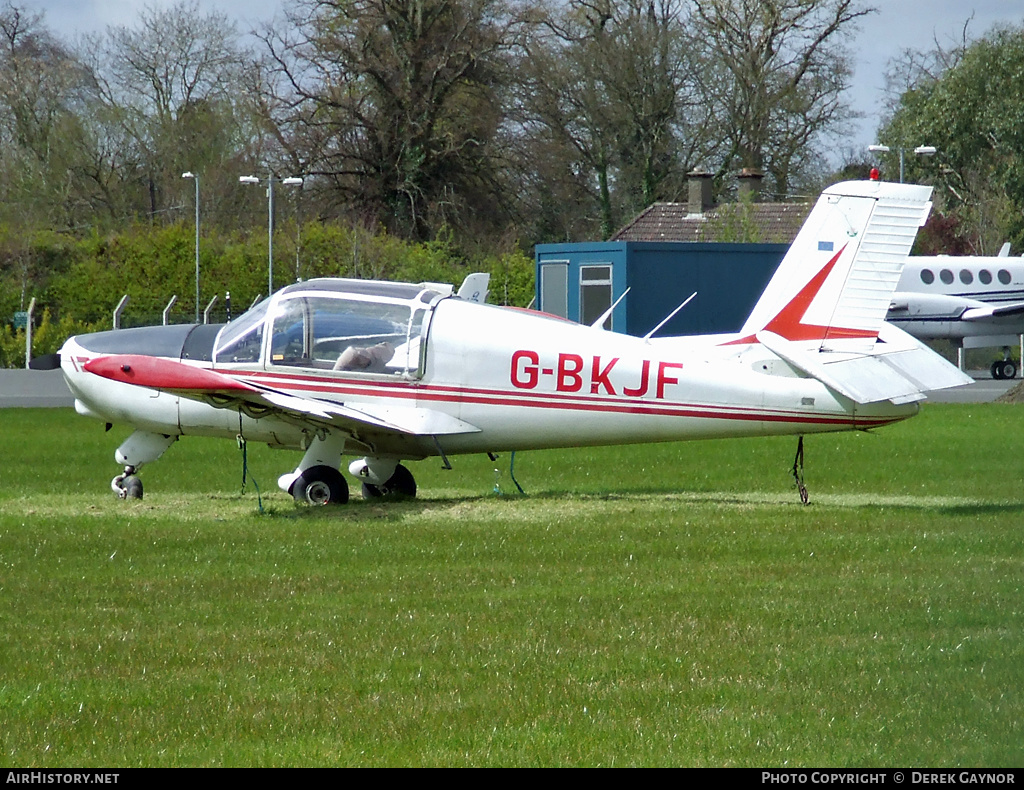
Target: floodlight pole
[
  {"x": 292, "y": 181},
  {"x": 194, "y": 177},
  {"x": 270, "y": 234},
  {"x": 28, "y": 333}
]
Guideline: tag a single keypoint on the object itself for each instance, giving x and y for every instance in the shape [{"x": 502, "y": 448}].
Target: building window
[
  {"x": 554, "y": 288},
  {"x": 595, "y": 293}
]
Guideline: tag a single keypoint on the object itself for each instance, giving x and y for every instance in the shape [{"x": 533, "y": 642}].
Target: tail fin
[
  {"x": 833, "y": 288},
  {"x": 824, "y": 310}
]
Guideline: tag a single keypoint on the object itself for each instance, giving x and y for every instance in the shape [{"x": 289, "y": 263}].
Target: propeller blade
[{"x": 45, "y": 362}]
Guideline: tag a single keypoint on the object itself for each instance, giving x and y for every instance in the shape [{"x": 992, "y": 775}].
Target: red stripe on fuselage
[{"x": 496, "y": 397}]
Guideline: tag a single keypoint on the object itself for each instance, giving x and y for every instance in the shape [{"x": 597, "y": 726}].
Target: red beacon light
[{"x": 874, "y": 175}]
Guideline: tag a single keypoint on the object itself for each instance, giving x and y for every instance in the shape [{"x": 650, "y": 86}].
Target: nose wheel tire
[
  {"x": 401, "y": 485},
  {"x": 127, "y": 485},
  {"x": 132, "y": 487},
  {"x": 320, "y": 485}
]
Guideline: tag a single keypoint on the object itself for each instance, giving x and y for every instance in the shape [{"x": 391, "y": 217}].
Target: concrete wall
[{"x": 33, "y": 388}]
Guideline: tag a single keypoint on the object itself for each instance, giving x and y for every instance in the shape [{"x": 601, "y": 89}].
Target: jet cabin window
[{"x": 361, "y": 336}]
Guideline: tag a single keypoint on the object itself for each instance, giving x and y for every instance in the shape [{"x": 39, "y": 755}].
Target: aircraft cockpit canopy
[{"x": 359, "y": 326}]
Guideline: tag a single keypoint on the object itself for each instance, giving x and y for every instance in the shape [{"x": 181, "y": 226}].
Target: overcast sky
[{"x": 898, "y": 25}]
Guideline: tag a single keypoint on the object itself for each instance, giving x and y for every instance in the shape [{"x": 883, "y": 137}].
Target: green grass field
[{"x": 658, "y": 605}]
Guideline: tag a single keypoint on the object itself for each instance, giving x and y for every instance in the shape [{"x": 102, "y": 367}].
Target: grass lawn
[{"x": 653, "y": 605}]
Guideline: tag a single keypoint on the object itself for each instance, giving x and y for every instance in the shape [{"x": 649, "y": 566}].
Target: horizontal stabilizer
[
  {"x": 918, "y": 362},
  {"x": 901, "y": 372}
]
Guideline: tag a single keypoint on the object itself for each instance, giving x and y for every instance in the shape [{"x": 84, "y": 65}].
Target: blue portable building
[{"x": 581, "y": 281}]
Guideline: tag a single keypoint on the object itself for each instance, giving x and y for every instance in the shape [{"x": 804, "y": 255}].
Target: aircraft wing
[
  {"x": 985, "y": 312},
  {"x": 226, "y": 392},
  {"x": 907, "y": 305}
]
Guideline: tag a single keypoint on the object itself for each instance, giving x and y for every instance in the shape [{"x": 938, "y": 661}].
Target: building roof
[{"x": 730, "y": 222}]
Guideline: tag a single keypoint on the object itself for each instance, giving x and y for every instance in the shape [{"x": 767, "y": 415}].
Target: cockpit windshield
[
  {"x": 346, "y": 334},
  {"x": 357, "y": 326},
  {"x": 242, "y": 340}
]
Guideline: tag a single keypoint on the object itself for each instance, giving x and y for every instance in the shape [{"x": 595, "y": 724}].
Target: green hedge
[{"x": 79, "y": 282}]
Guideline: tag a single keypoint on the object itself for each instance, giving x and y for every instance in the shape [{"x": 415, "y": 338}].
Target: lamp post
[
  {"x": 195, "y": 178},
  {"x": 921, "y": 150},
  {"x": 292, "y": 181}
]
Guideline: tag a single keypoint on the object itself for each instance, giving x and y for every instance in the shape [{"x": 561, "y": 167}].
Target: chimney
[
  {"x": 700, "y": 192},
  {"x": 750, "y": 184}
]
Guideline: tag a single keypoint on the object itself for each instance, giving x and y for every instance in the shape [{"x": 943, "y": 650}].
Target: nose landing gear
[{"x": 127, "y": 485}]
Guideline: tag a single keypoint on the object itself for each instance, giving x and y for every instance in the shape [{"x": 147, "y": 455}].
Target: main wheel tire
[
  {"x": 1008, "y": 369},
  {"x": 401, "y": 485},
  {"x": 320, "y": 485},
  {"x": 997, "y": 370}
]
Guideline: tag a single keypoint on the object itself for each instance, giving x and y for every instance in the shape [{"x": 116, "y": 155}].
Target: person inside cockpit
[{"x": 367, "y": 360}]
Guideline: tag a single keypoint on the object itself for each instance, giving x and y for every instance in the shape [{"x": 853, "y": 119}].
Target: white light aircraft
[
  {"x": 393, "y": 372},
  {"x": 976, "y": 302}
]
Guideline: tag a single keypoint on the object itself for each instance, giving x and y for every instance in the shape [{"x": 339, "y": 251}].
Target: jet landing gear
[
  {"x": 1004, "y": 368},
  {"x": 317, "y": 480},
  {"x": 401, "y": 485}
]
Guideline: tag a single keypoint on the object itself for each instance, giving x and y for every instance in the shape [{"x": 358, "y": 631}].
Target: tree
[
  {"x": 172, "y": 96},
  {"x": 395, "y": 104},
  {"x": 788, "y": 69},
  {"x": 973, "y": 113},
  {"x": 42, "y": 86},
  {"x": 610, "y": 88}
]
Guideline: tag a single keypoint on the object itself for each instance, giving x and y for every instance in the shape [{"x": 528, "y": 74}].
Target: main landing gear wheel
[
  {"x": 401, "y": 485},
  {"x": 1004, "y": 369},
  {"x": 320, "y": 485}
]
